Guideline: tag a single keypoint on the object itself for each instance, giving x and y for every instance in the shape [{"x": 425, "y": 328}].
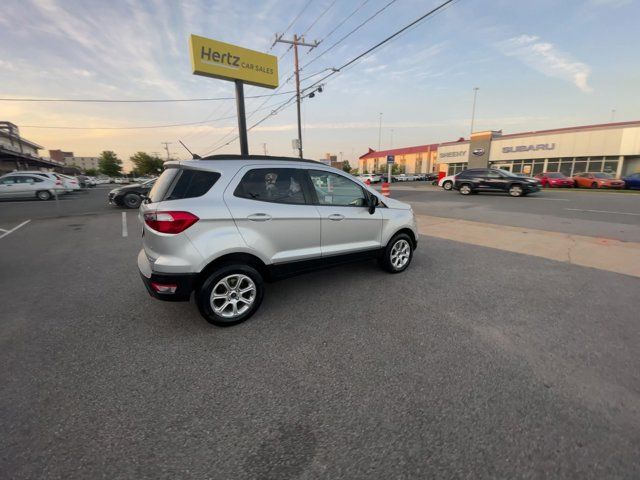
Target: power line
[
  {"x": 319, "y": 17},
  {"x": 132, "y": 127},
  {"x": 162, "y": 100},
  {"x": 345, "y": 65},
  {"x": 297, "y": 16},
  {"x": 387, "y": 5},
  {"x": 344, "y": 20}
]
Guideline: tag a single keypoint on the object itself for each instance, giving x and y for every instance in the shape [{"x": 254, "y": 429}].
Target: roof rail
[{"x": 259, "y": 157}]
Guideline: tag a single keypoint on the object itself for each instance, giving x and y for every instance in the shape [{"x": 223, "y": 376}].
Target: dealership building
[{"x": 609, "y": 147}]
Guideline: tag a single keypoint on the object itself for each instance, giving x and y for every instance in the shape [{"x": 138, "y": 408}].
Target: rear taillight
[{"x": 169, "y": 222}]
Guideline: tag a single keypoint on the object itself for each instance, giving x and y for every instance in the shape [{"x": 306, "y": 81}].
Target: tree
[
  {"x": 92, "y": 172},
  {"x": 110, "y": 164},
  {"x": 346, "y": 167},
  {"x": 146, "y": 164}
]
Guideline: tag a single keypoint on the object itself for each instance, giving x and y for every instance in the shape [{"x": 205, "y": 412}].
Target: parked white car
[
  {"x": 21, "y": 185},
  {"x": 101, "y": 180},
  {"x": 447, "y": 182},
  {"x": 404, "y": 177},
  {"x": 70, "y": 183},
  {"x": 372, "y": 177}
]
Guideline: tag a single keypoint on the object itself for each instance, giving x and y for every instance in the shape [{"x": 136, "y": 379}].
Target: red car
[
  {"x": 555, "y": 179},
  {"x": 597, "y": 180}
]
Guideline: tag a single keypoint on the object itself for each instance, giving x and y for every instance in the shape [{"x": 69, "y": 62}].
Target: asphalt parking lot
[{"x": 474, "y": 363}]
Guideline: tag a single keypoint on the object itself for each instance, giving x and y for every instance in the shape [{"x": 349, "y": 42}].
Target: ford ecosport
[{"x": 222, "y": 225}]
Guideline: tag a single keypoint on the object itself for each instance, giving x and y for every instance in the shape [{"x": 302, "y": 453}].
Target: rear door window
[
  {"x": 277, "y": 185},
  {"x": 191, "y": 184},
  {"x": 178, "y": 184}
]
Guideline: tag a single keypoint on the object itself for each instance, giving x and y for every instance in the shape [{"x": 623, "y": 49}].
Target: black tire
[
  {"x": 594, "y": 185},
  {"x": 516, "y": 190},
  {"x": 385, "y": 260},
  {"x": 132, "y": 200},
  {"x": 203, "y": 294},
  {"x": 465, "y": 189},
  {"x": 448, "y": 185},
  {"x": 43, "y": 195}
]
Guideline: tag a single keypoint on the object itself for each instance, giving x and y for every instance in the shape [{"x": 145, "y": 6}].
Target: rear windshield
[
  {"x": 602, "y": 175},
  {"x": 177, "y": 184}
]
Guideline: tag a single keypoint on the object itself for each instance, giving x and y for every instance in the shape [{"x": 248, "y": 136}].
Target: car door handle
[
  {"x": 259, "y": 217},
  {"x": 336, "y": 216}
]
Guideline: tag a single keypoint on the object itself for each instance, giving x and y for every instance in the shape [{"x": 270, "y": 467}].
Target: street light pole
[{"x": 473, "y": 110}]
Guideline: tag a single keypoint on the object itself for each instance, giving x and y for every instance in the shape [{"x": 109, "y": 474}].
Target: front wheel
[
  {"x": 398, "y": 254},
  {"x": 43, "y": 195},
  {"x": 132, "y": 200},
  {"x": 230, "y": 295},
  {"x": 466, "y": 189},
  {"x": 515, "y": 191},
  {"x": 594, "y": 185},
  {"x": 448, "y": 185}
]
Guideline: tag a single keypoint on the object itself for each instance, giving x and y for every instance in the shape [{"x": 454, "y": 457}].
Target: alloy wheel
[
  {"x": 400, "y": 253},
  {"x": 233, "y": 295}
]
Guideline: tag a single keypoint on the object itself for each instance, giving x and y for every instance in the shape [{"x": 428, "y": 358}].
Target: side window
[
  {"x": 493, "y": 174},
  {"x": 192, "y": 183},
  {"x": 278, "y": 185},
  {"x": 9, "y": 180},
  {"x": 333, "y": 189}
]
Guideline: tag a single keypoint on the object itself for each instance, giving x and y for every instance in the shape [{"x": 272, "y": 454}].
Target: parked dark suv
[{"x": 477, "y": 180}]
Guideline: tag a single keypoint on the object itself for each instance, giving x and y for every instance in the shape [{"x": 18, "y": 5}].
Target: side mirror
[{"x": 373, "y": 203}]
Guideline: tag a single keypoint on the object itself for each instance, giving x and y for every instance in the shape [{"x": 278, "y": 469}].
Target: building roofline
[
  {"x": 400, "y": 151},
  {"x": 22, "y": 140},
  {"x": 598, "y": 126}
]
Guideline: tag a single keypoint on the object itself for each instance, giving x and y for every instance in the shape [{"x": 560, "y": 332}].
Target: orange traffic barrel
[{"x": 386, "y": 190}]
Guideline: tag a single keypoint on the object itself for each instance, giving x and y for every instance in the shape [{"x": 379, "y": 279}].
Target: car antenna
[{"x": 193, "y": 155}]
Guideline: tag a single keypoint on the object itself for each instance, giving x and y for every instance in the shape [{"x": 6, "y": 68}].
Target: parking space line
[
  {"x": 7, "y": 232},
  {"x": 125, "y": 233},
  {"x": 603, "y": 211}
]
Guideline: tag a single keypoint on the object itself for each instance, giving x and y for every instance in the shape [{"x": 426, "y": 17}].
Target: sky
[{"x": 538, "y": 65}]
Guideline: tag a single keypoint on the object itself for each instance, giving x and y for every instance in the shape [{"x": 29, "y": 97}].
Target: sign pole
[{"x": 242, "y": 119}]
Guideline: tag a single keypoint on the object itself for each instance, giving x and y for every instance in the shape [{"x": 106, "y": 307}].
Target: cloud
[{"x": 545, "y": 58}]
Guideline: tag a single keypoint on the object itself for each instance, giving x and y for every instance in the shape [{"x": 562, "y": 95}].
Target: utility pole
[
  {"x": 380, "y": 131},
  {"x": 264, "y": 149},
  {"x": 473, "y": 110},
  {"x": 166, "y": 147},
  {"x": 295, "y": 42}
]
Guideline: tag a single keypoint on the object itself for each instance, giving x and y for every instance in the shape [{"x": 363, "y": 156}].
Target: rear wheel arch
[{"x": 232, "y": 259}]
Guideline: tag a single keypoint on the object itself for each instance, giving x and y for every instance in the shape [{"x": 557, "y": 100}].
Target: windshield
[
  {"x": 602, "y": 175},
  {"x": 555, "y": 175}
]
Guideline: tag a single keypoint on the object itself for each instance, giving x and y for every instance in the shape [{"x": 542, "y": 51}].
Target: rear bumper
[{"x": 184, "y": 282}]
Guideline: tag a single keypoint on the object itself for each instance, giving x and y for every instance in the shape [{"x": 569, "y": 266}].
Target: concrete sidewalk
[{"x": 595, "y": 252}]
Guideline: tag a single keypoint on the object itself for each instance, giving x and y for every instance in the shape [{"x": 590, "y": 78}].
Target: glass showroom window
[
  {"x": 610, "y": 164},
  {"x": 538, "y": 167},
  {"x": 566, "y": 166},
  {"x": 595, "y": 164},
  {"x": 580, "y": 165},
  {"x": 552, "y": 165}
]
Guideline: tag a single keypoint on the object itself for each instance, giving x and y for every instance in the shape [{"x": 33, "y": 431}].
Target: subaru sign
[
  {"x": 478, "y": 152},
  {"x": 529, "y": 148},
  {"x": 390, "y": 159}
]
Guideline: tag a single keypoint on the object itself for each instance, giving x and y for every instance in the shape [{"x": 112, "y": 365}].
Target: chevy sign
[{"x": 529, "y": 148}]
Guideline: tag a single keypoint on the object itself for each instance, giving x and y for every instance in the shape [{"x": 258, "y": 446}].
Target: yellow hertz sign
[{"x": 230, "y": 62}]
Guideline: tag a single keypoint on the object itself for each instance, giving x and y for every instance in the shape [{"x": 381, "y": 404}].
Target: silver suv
[{"x": 223, "y": 225}]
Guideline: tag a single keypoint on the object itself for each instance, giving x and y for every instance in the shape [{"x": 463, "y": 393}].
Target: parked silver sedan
[{"x": 20, "y": 185}]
